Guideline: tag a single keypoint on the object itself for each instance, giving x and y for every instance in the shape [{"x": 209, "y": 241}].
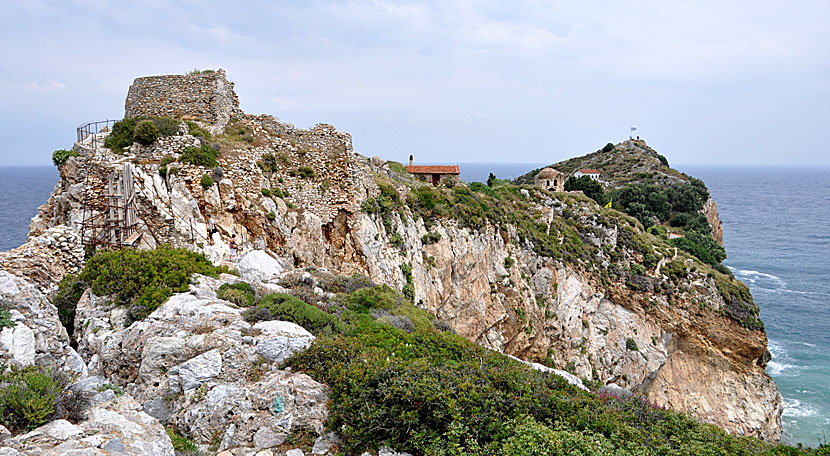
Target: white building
[{"x": 592, "y": 173}]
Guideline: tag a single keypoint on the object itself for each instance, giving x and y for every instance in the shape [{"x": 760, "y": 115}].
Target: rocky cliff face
[{"x": 661, "y": 331}]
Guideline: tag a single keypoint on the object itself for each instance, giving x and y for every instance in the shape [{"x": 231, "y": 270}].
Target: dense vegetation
[
  {"x": 472, "y": 207},
  {"x": 138, "y": 279},
  {"x": 124, "y": 131},
  {"x": 429, "y": 392}
]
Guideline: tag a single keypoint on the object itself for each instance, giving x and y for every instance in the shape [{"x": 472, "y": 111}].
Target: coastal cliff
[{"x": 550, "y": 278}]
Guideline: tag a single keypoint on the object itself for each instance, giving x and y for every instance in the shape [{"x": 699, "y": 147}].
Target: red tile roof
[
  {"x": 588, "y": 171},
  {"x": 433, "y": 169}
]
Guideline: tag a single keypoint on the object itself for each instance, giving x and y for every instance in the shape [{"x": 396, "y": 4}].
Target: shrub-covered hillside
[
  {"x": 400, "y": 378},
  {"x": 569, "y": 227}
]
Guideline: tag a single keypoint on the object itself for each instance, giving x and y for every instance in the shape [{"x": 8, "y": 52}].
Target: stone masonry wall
[{"x": 206, "y": 96}]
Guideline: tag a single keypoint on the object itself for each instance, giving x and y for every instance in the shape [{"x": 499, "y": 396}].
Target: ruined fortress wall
[{"x": 206, "y": 96}]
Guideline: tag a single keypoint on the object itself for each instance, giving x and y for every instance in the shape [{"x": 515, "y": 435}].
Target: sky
[{"x": 704, "y": 82}]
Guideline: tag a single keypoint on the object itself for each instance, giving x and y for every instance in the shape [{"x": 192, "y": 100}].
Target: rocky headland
[{"x": 571, "y": 288}]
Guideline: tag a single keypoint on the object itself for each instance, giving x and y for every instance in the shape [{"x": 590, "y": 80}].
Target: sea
[{"x": 776, "y": 224}]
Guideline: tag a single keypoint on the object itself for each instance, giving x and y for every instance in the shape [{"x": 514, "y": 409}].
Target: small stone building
[
  {"x": 550, "y": 180},
  {"x": 437, "y": 174}
]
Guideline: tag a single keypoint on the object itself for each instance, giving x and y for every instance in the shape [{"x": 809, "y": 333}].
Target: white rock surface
[
  {"x": 117, "y": 426},
  {"x": 257, "y": 265}
]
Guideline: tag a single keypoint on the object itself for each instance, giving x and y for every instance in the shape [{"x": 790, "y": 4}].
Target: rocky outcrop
[
  {"x": 196, "y": 364},
  {"x": 33, "y": 333},
  {"x": 116, "y": 426},
  {"x": 710, "y": 210}
]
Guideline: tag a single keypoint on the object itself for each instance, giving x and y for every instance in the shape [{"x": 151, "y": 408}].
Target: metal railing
[{"x": 93, "y": 128}]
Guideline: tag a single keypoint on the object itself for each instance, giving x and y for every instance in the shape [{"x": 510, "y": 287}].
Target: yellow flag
[{"x": 609, "y": 204}]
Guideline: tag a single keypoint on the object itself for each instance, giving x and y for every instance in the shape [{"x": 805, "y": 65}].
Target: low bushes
[
  {"x": 240, "y": 293},
  {"x": 206, "y": 181},
  {"x": 286, "y": 307},
  {"x": 59, "y": 157},
  {"x": 145, "y": 133},
  {"x": 31, "y": 396},
  {"x": 123, "y": 133},
  {"x": 434, "y": 393},
  {"x": 205, "y": 156},
  {"x": 142, "y": 280}
]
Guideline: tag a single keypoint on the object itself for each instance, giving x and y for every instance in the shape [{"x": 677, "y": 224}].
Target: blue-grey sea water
[
  {"x": 776, "y": 223},
  {"x": 777, "y": 235},
  {"x": 22, "y": 190}
]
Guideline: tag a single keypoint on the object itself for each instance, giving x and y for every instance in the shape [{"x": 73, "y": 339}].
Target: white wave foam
[
  {"x": 753, "y": 277},
  {"x": 775, "y": 368},
  {"x": 795, "y": 408}
]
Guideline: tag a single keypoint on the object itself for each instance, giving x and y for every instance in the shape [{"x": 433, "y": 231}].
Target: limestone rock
[
  {"x": 115, "y": 427},
  {"x": 37, "y": 336},
  {"x": 257, "y": 265}
]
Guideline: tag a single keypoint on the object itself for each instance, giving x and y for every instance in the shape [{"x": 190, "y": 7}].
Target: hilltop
[
  {"x": 480, "y": 319},
  {"x": 625, "y": 163}
]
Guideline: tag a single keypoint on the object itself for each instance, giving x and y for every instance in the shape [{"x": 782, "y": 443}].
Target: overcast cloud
[{"x": 518, "y": 81}]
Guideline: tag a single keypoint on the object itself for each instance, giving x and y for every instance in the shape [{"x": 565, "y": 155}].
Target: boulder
[{"x": 257, "y": 265}]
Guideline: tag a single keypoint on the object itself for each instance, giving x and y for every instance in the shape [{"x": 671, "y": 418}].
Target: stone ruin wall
[{"x": 206, "y": 96}]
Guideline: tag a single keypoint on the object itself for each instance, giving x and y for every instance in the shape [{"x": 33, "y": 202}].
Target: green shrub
[
  {"x": 6, "y": 319},
  {"x": 305, "y": 172},
  {"x": 194, "y": 129},
  {"x": 28, "y": 397},
  {"x": 286, "y": 307},
  {"x": 346, "y": 284},
  {"x": 591, "y": 188},
  {"x": 123, "y": 132},
  {"x": 121, "y": 135},
  {"x": 430, "y": 238},
  {"x": 531, "y": 438},
  {"x": 60, "y": 156},
  {"x": 70, "y": 289},
  {"x": 200, "y": 156},
  {"x": 701, "y": 245},
  {"x": 239, "y": 293},
  {"x": 117, "y": 390},
  {"x": 378, "y": 297},
  {"x": 397, "y": 168},
  {"x": 436, "y": 393},
  {"x": 146, "y": 133},
  {"x": 206, "y": 181},
  {"x": 409, "y": 286},
  {"x": 167, "y": 159},
  {"x": 271, "y": 216},
  {"x": 181, "y": 444},
  {"x": 631, "y": 345},
  {"x": 637, "y": 269},
  {"x": 166, "y": 126},
  {"x": 142, "y": 280},
  {"x": 608, "y": 147},
  {"x": 266, "y": 193},
  {"x": 508, "y": 262},
  {"x": 237, "y": 131}
]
